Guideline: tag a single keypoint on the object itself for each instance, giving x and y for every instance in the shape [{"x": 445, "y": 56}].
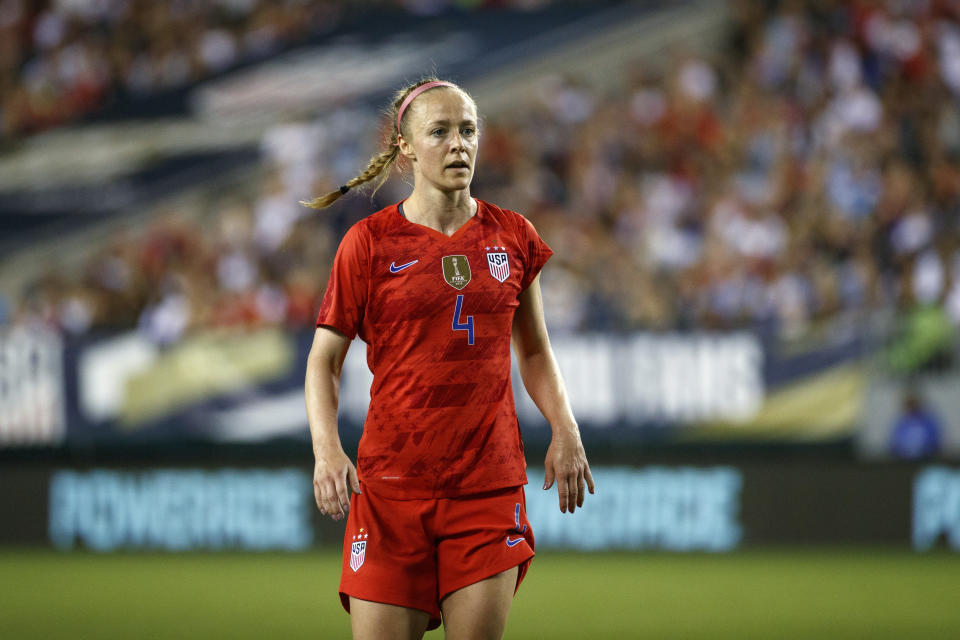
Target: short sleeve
[
  {"x": 536, "y": 252},
  {"x": 345, "y": 299}
]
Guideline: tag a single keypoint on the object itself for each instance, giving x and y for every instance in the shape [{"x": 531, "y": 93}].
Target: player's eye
[
  {"x": 469, "y": 131},
  {"x": 438, "y": 132}
]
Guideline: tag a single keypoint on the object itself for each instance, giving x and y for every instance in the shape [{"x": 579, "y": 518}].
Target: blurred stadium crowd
[
  {"x": 808, "y": 172},
  {"x": 63, "y": 59}
]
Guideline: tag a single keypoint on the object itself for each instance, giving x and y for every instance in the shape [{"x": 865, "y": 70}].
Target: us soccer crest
[
  {"x": 456, "y": 271},
  {"x": 358, "y": 550},
  {"x": 498, "y": 262}
]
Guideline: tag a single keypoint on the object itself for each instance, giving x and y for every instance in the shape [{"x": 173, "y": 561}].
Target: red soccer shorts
[{"x": 413, "y": 553}]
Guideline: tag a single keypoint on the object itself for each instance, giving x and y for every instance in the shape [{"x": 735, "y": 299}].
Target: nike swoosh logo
[
  {"x": 513, "y": 543},
  {"x": 397, "y": 269}
]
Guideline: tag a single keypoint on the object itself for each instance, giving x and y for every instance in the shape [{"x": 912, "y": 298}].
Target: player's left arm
[{"x": 566, "y": 460}]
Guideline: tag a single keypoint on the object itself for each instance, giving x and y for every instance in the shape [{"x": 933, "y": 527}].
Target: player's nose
[{"x": 456, "y": 141}]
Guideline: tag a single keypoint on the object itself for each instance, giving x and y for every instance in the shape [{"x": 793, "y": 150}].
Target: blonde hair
[{"x": 381, "y": 164}]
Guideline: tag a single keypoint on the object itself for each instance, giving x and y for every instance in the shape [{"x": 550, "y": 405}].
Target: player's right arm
[{"x": 334, "y": 475}]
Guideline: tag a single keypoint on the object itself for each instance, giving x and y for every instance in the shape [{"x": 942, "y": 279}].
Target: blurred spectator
[{"x": 917, "y": 432}]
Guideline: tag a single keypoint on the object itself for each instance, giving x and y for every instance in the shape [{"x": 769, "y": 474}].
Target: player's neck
[{"x": 443, "y": 212}]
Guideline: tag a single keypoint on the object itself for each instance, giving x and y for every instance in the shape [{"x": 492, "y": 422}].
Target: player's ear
[{"x": 406, "y": 149}]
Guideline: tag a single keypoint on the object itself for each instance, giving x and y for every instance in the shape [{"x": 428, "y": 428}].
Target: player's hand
[
  {"x": 334, "y": 476},
  {"x": 567, "y": 464}
]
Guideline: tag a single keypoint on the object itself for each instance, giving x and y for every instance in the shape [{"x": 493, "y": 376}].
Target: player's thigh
[
  {"x": 480, "y": 537},
  {"x": 479, "y": 611},
  {"x": 379, "y": 621},
  {"x": 388, "y": 557}
]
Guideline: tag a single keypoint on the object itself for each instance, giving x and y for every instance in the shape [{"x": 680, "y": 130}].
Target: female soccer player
[{"x": 438, "y": 286}]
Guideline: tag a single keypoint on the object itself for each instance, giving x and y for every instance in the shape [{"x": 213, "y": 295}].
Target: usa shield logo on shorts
[
  {"x": 358, "y": 552},
  {"x": 498, "y": 262}
]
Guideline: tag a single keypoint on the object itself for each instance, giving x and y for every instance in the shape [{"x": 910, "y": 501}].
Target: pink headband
[{"x": 413, "y": 94}]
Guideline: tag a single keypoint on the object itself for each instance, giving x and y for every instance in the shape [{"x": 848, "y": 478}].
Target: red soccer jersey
[{"x": 436, "y": 313}]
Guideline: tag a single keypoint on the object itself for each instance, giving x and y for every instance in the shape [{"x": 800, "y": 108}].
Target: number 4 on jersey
[{"x": 462, "y": 326}]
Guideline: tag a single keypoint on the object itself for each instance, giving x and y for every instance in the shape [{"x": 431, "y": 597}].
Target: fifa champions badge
[{"x": 456, "y": 271}]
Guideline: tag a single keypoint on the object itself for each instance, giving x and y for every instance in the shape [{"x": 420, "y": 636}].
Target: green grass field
[{"x": 757, "y": 594}]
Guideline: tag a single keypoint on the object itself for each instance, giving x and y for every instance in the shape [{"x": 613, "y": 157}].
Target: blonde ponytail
[
  {"x": 378, "y": 169},
  {"x": 380, "y": 165}
]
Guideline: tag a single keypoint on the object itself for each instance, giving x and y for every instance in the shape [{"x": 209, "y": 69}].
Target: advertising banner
[
  {"x": 665, "y": 507},
  {"x": 32, "y": 393},
  {"x": 242, "y": 387}
]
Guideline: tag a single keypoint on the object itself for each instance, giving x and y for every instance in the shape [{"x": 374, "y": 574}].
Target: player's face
[{"x": 443, "y": 128}]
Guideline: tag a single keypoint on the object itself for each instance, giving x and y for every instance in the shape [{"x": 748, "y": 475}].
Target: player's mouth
[{"x": 457, "y": 164}]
